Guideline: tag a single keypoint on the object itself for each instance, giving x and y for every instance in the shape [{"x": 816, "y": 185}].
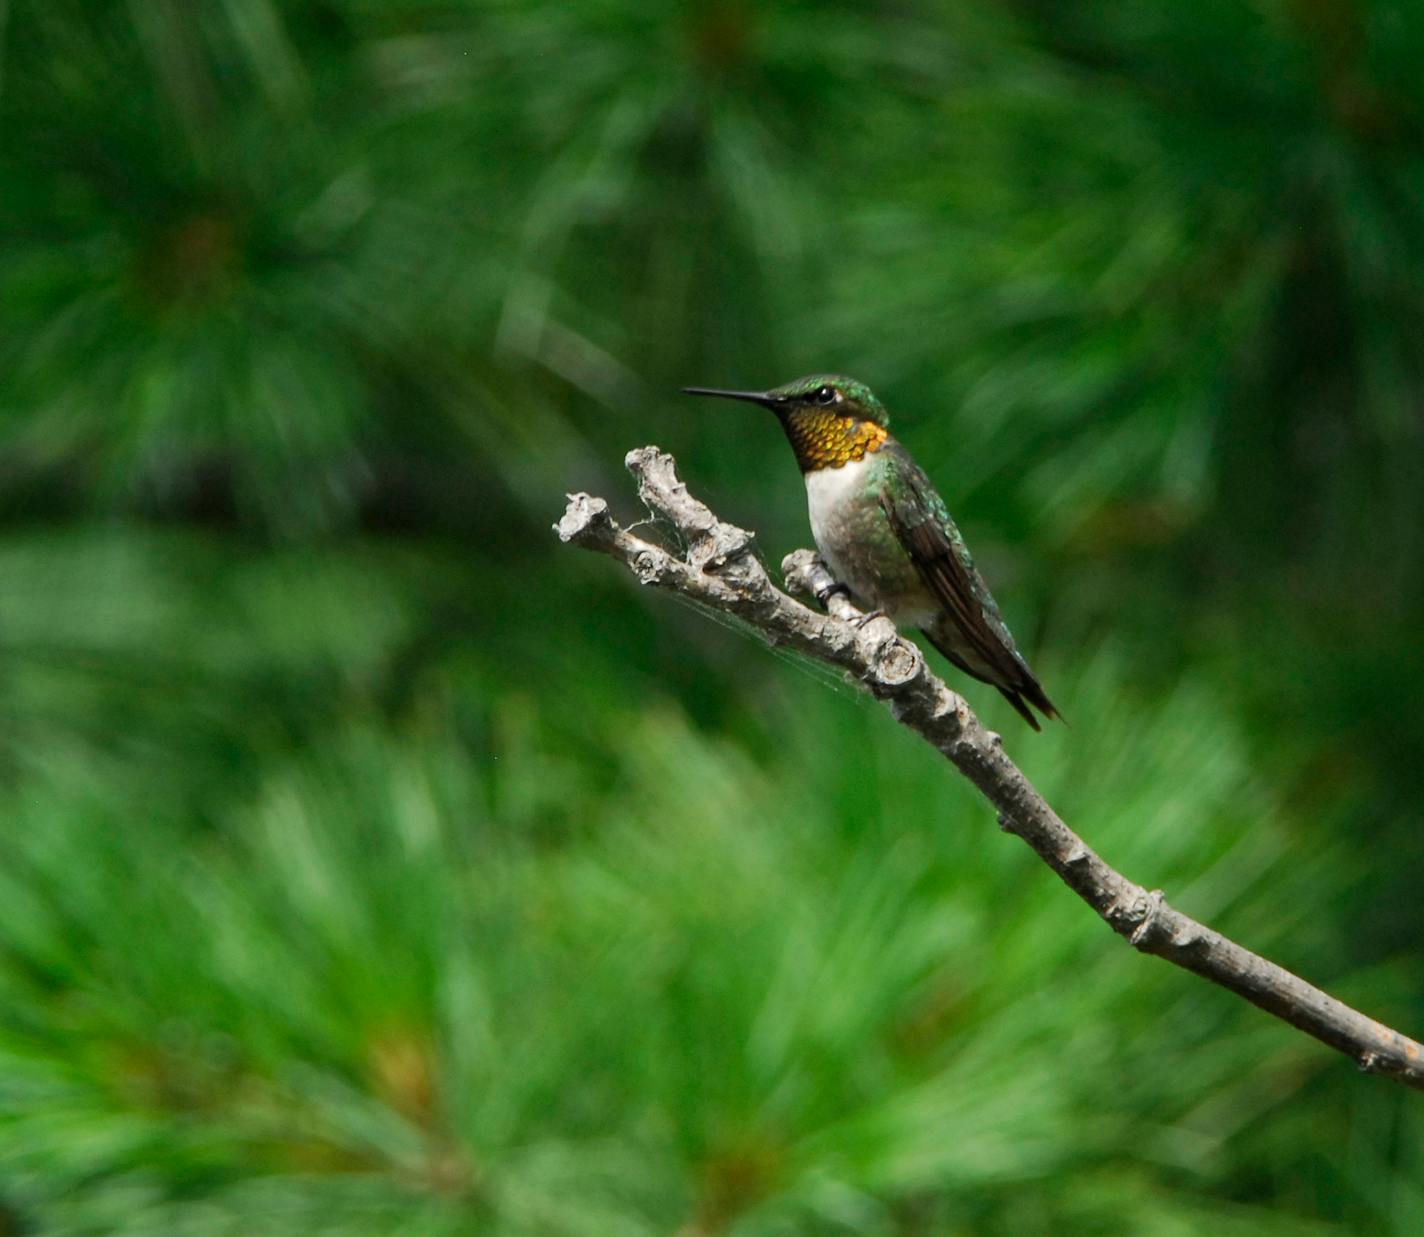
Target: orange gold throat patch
[{"x": 825, "y": 439}]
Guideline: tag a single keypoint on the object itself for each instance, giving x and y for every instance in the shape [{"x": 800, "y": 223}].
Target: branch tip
[{"x": 585, "y": 520}]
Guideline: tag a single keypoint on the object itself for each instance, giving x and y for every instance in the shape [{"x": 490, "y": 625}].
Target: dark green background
[{"x": 370, "y": 863}]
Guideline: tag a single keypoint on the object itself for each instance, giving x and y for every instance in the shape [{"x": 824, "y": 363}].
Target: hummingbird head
[{"x": 829, "y": 419}]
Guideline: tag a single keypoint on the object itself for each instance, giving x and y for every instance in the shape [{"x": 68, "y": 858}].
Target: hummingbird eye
[{"x": 826, "y": 395}]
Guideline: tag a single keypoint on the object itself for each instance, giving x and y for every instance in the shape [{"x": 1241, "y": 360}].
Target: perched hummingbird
[{"x": 886, "y": 534}]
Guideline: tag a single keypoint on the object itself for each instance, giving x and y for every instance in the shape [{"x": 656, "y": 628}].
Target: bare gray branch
[{"x": 719, "y": 569}]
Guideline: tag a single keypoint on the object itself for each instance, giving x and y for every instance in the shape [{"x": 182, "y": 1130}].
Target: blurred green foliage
[{"x": 373, "y": 864}]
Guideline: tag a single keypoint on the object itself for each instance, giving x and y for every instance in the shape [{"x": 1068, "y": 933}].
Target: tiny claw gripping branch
[{"x": 719, "y": 569}]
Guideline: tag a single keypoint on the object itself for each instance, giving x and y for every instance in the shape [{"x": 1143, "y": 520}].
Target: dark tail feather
[
  {"x": 1037, "y": 697},
  {"x": 1017, "y": 701},
  {"x": 1023, "y": 693}
]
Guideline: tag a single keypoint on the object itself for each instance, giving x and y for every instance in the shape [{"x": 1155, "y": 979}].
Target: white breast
[
  {"x": 826, "y": 490},
  {"x": 841, "y": 520},
  {"x": 831, "y": 498}
]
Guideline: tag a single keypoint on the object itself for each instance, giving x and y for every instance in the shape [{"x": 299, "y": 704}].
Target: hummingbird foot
[
  {"x": 869, "y": 617},
  {"x": 831, "y": 590}
]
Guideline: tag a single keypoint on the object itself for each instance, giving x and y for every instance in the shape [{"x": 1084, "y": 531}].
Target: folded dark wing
[{"x": 923, "y": 526}]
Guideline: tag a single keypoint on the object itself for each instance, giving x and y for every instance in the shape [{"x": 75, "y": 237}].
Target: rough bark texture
[{"x": 718, "y": 569}]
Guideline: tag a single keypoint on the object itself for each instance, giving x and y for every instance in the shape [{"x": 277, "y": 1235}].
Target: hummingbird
[{"x": 886, "y": 534}]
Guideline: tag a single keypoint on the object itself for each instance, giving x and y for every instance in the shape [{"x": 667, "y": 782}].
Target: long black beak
[{"x": 764, "y": 398}]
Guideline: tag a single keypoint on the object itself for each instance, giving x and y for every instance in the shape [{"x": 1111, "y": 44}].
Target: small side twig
[{"x": 719, "y": 570}]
